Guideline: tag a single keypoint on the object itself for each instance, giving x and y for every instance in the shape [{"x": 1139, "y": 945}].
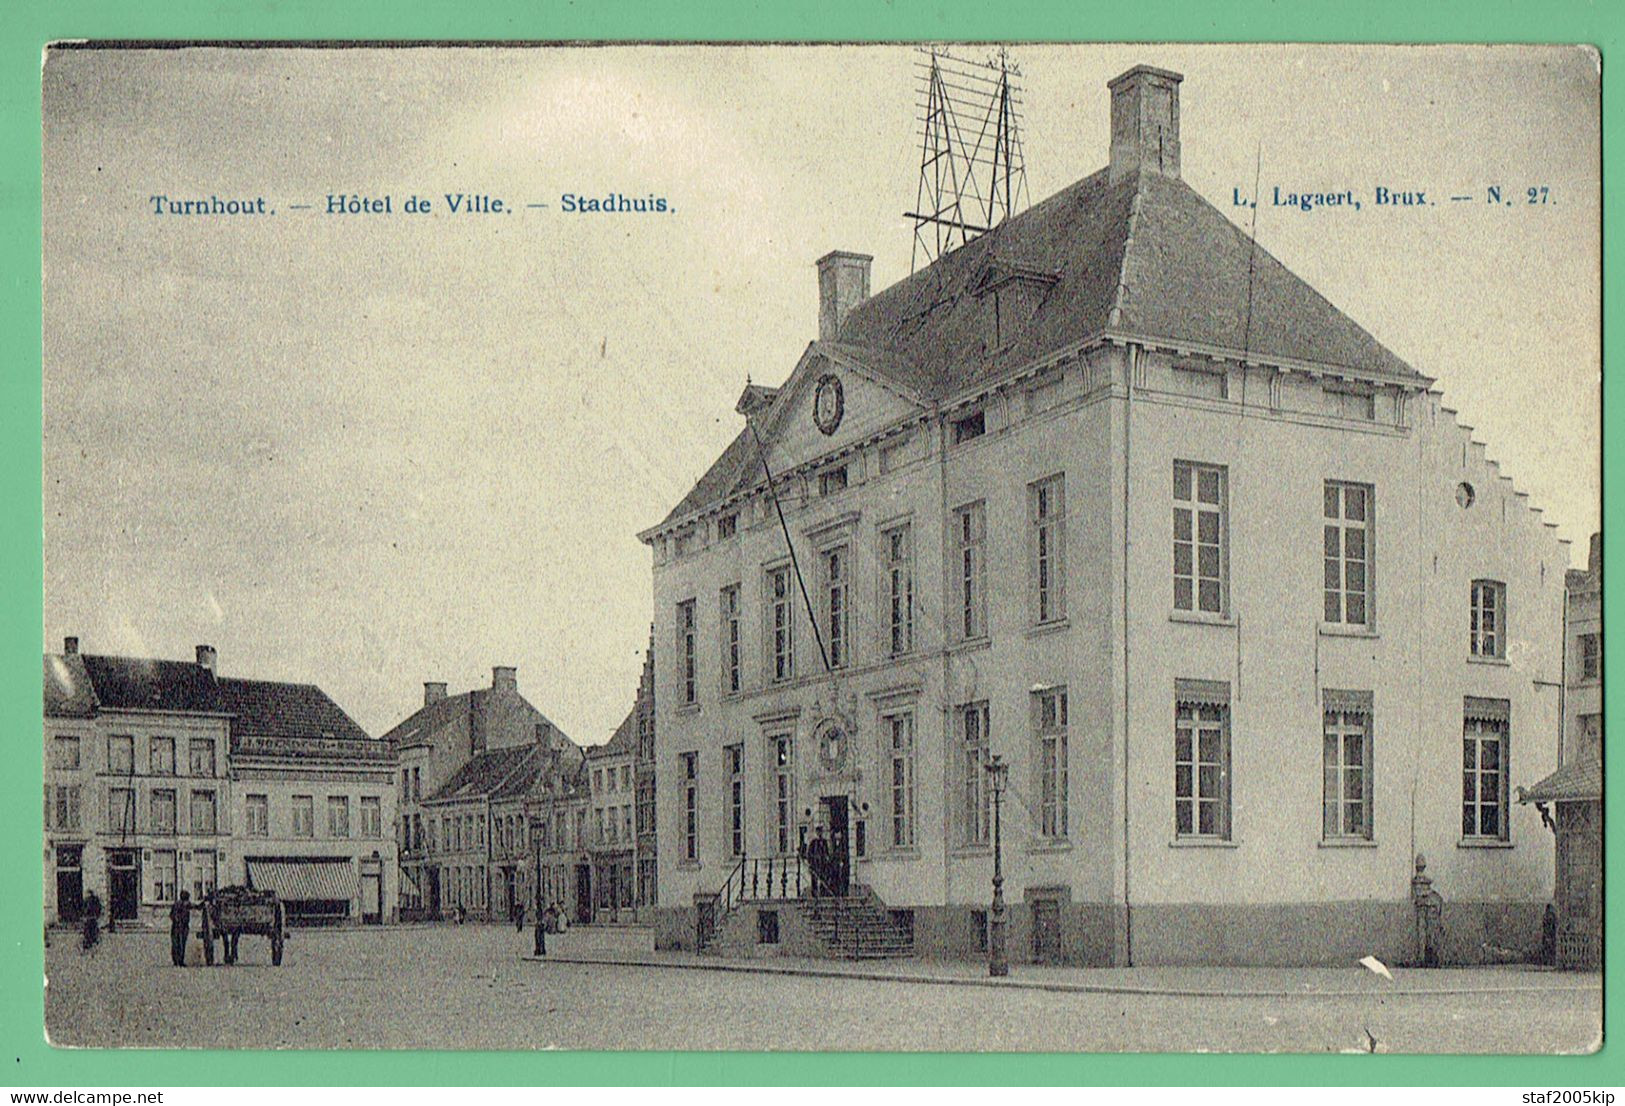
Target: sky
[{"x": 369, "y": 451}]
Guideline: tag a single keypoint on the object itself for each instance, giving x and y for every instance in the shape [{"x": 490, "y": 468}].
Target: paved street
[{"x": 470, "y": 987}]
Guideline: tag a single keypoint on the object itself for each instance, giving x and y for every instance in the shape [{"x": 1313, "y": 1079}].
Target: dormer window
[
  {"x": 968, "y": 427},
  {"x": 832, "y": 480}
]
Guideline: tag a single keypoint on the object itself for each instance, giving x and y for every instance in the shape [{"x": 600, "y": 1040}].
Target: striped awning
[{"x": 301, "y": 880}]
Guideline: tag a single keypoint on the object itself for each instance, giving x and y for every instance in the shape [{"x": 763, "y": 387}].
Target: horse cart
[{"x": 231, "y": 912}]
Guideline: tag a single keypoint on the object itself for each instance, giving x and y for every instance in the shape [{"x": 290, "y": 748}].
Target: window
[
  {"x": 728, "y": 605},
  {"x": 1347, "y": 552},
  {"x": 372, "y": 821},
  {"x": 1590, "y": 744},
  {"x": 727, "y": 526},
  {"x": 1199, "y": 530},
  {"x": 417, "y": 780},
  {"x": 1484, "y": 769},
  {"x": 203, "y": 812},
  {"x": 900, "y": 727},
  {"x": 1048, "y": 501},
  {"x": 832, "y": 480},
  {"x": 161, "y": 756},
  {"x": 646, "y": 806},
  {"x": 121, "y": 755},
  {"x": 1488, "y": 631},
  {"x": 835, "y": 605},
  {"x": 611, "y": 779},
  {"x": 200, "y": 751},
  {"x": 897, "y": 549},
  {"x": 598, "y": 780},
  {"x": 1346, "y": 764},
  {"x": 121, "y": 810},
  {"x": 1052, "y": 768},
  {"x": 562, "y": 830},
  {"x": 65, "y": 752},
  {"x": 1590, "y": 658},
  {"x": 257, "y": 816},
  {"x": 1202, "y": 759},
  {"x": 685, "y": 648},
  {"x": 976, "y": 813},
  {"x": 691, "y": 816},
  {"x": 734, "y": 755},
  {"x": 784, "y": 793},
  {"x": 68, "y": 807},
  {"x": 781, "y": 615},
  {"x": 162, "y": 811},
  {"x": 163, "y": 875},
  {"x": 338, "y": 816},
  {"x": 304, "y": 816},
  {"x": 971, "y": 426},
  {"x": 205, "y": 869},
  {"x": 626, "y": 777},
  {"x": 970, "y": 537}
]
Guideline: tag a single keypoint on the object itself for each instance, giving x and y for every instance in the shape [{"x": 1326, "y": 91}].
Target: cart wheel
[{"x": 276, "y": 949}]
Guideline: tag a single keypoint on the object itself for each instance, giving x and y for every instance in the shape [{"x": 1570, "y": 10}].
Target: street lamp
[
  {"x": 997, "y": 965},
  {"x": 539, "y": 948}
]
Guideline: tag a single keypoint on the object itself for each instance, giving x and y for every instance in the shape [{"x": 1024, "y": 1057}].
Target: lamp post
[
  {"x": 540, "y": 946},
  {"x": 997, "y": 964}
]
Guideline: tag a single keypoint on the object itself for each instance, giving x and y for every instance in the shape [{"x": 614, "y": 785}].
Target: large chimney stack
[
  {"x": 504, "y": 678},
  {"x": 70, "y": 646},
  {"x": 843, "y": 283},
  {"x": 1145, "y": 122},
  {"x": 433, "y": 691},
  {"x": 206, "y": 657}
]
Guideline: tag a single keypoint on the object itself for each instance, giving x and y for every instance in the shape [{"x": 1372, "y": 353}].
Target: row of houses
[{"x": 164, "y": 776}]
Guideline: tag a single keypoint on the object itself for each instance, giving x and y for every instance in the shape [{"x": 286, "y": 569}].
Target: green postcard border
[{"x": 37, "y": 1065}]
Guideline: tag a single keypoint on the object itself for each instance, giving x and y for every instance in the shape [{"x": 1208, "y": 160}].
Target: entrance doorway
[
  {"x": 583, "y": 894},
  {"x": 839, "y": 876},
  {"x": 431, "y": 892},
  {"x": 1047, "y": 931},
  {"x": 70, "y": 883},
  {"x": 123, "y": 884},
  {"x": 372, "y": 900}
]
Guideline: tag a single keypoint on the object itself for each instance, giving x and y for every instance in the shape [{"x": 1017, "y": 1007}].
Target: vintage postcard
[{"x": 946, "y": 547}]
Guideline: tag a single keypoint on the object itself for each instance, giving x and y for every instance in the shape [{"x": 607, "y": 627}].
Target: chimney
[
  {"x": 433, "y": 691},
  {"x": 843, "y": 283},
  {"x": 1145, "y": 122},
  {"x": 205, "y": 657},
  {"x": 1593, "y": 563},
  {"x": 70, "y": 646},
  {"x": 504, "y": 677}
]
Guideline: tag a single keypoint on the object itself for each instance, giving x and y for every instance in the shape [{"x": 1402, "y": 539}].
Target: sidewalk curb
[{"x": 1058, "y": 986}]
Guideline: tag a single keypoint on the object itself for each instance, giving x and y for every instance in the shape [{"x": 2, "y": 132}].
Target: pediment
[{"x": 829, "y": 402}]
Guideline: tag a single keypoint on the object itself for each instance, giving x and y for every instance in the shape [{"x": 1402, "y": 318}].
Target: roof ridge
[{"x": 1114, "y": 314}]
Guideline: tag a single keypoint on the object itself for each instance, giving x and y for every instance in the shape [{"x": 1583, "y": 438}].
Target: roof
[
  {"x": 266, "y": 709},
  {"x": 136, "y": 683},
  {"x": 68, "y": 692},
  {"x": 1147, "y": 257},
  {"x": 421, "y": 725},
  {"x": 482, "y": 774},
  {"x": 1575, "y": 781},
  {"x": 623, "y": 742}
]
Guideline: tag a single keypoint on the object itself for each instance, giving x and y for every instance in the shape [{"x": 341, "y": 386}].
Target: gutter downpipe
[{"x": 1132, "y": 364}]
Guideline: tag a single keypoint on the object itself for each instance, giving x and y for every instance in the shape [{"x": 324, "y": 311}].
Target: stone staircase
[{"x": 858, "y": 927}]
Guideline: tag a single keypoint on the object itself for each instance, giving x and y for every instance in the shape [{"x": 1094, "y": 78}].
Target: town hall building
[{"x": 1111, "y": 495}]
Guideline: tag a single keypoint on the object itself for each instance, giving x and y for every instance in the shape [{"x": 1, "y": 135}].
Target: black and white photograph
[{"x": 949, "y": 547}]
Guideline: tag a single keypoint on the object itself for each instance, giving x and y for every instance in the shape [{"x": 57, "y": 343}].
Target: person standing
[
  {"x": 818, "y": 861},
  {"x": 180, "y": 927},
  {"x": 91, "y": 923},
  {"x": 519, "y": 917}
]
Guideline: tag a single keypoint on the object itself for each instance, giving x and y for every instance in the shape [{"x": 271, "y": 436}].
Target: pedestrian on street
[
  {"x": 180, "y": 927},
  {"x": 818, "y": 861},
  {"x": 550, "y": 918},
  {"x": 519, "y": 917},
  {"x": 90, "y": 923}
]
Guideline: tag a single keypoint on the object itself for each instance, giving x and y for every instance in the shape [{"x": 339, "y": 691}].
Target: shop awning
[
  {"x": 409, "y": 883},
  {"x": 297, "y": 880}
]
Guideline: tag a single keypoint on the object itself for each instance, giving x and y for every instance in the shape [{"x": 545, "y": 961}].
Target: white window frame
[
  {"x": 163, "y": 890},
  {"x": 734, "y": 757},
  {"x": 1487, "y": 629},
  {"x": 120, "y": 742},
  {"x": 901, "y": 820},
  {"x": 1192, "y": 509},
  {"x": 975, "y": 744},
  {"x": 1590, "y": 656},
  {"x": 1196, "y": 789},
  {"x": 836, "y": 564},
  {"x": 201, "y": 745},
  {"x": 691, "y": 807},
  {"x": 782, "y": 781},
  {"x": 728, "y": 616},
  {"x": 154, "y": 761},
  {"x": 897, "y": 584},
  {"x": 781, "y": 624},
  {"x": 1050, "y": 718},
  {"x": 1344, "y": 816},
  {"x": 1478, "y": 733},
  {"x": 687, "y": 674},
  {"x": 66, "y": 753},
  {"x": 211, "y": 803},
  {"x": 969, "y": 571},
  {"x": 154, "y": 824},
  {"x": 371, "y": 811},
  {"x": 1346, "y": 551},
  {"x": 304, "y": 816},
  {"x": 1046, "y": 500}
]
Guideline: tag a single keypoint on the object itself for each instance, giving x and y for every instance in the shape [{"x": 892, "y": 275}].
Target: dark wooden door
[
  {"x": 1046, "y": 931},
  {"x": 123, "y": 885},
  {"x": 431, "y": 891},
  {"x": 840, "y": 844},
  {"x": 70, "y": 885},
  {"x": 583, "y": 894}
]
